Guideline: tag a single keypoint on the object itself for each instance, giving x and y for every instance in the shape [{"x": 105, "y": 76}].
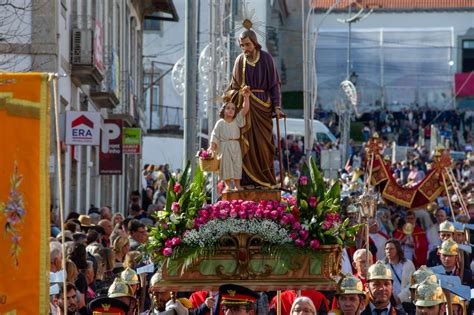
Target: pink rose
[
  {"x": 274, "y": 214},
  {"x": 203, "y": 213},
  {"x": 313, "y": 202},
  {"x": 299, "y": 243},
  {"x": 177, "y": 188},
  {"x": 204, "y": 155},
  {"x": 292, "y": 201},
  {"x": 167, "y": 251},
  {"x": 326, "y": 225},
  {"x": 168, "y": 243},
  {"x": 304, "y": 234},
  {"x": 259, "y": 213},
  {"x": 285, "y": 220},
  {"x": 175, "y": 207},
  {"x": 293, "y": 235},
  {"x": 314, "y": 244},
  {"x": 303, "y": 180},
  {"x": 290, "y": 217},
  {"x": 223, "y": 214},
  {"x": 242, "y": 214},
  {"x": 296, "y": 226},
  {"x": 175, "y": 241}
]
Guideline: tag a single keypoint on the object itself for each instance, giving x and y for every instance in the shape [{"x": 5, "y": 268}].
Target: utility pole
[
  {"x": 211, "y": 107},
  {"x": 189, "y": 98}
]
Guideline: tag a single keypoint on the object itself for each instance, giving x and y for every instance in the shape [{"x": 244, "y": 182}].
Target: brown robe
[{"x": 256, "y": 141}]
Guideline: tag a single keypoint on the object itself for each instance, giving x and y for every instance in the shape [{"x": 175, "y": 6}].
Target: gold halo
[{"x": 247, "y": 24}]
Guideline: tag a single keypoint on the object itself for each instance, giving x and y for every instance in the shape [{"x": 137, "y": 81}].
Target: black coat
[{"x": 392, "y": 311}]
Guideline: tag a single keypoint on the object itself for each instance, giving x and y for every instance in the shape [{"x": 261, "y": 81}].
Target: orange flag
[{"x": 24, "y": 193}]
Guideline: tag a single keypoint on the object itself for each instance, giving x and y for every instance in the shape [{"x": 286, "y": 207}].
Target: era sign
[{"x": 83, "y": 128}]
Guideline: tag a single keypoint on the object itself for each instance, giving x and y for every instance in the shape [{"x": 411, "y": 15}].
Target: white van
[{"x": 295, "y": 126}]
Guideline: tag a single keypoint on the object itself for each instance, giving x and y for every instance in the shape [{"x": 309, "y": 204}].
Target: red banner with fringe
[{"x": 417, "y": 196}]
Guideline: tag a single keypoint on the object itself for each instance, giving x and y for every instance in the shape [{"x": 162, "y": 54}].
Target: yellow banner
[{"x": 24, "y": 193}]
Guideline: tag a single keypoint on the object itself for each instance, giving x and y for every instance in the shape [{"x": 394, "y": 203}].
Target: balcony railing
[{"x": 106, "y": 94}]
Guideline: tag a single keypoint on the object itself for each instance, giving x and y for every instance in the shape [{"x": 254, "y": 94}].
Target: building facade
[{"x": 96, "y": 47}]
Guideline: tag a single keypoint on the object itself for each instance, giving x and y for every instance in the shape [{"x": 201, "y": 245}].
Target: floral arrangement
[
  {"x": 203, "y": 154},
  {"x": 14, "y": 211},
  {"x": 188, "y": 227}
]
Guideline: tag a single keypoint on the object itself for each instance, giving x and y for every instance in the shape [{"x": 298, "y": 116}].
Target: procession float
[{"x": 292, "y": 242}]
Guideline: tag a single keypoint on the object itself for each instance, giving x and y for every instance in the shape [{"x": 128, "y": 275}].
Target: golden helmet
[
  {"x": 120, "y": 288},
  {"x": 408, "y": 228},
  {"x": 432, "y": 206},
  {"x": 446, "y": 226},
  {"x": 350, "y": 285},
  {"x": 356, "y": 174},
  {"x": 421, "y": 275},
  {"x": 130, "y": 276},
  {"x": 156, "y": 278},
  {"x": 429, "y": 293},
  {"x": 449, "y": 248},
  {"x": 379, "y": 271},
  {"x": 455, "y": 299}
]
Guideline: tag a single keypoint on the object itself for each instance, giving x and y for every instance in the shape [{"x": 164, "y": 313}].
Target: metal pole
[
  {"x": 211, "y": 111},
  {"x": 346, "y": 114},
  {"x": 189, "y": 99},
  {"x": 308, "y": 115},
  {"x": 151, "y": 94}
]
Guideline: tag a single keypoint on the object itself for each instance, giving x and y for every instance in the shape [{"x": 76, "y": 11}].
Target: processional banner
[{"x": 24, "y": 193}]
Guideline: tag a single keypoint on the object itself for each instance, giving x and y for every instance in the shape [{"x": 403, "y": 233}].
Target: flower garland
[{"x": 14, "y": 210}]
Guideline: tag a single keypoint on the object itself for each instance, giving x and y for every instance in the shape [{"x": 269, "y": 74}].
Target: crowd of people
[{"x": 411, "y": 255}]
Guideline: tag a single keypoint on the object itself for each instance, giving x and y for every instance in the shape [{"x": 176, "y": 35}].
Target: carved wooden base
[
  {"x": 240, "y": 260},
  {"x": 254, "y": 195}
]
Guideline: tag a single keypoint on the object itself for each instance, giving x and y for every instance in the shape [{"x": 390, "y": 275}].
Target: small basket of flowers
[{"x": 207, "y": 161}]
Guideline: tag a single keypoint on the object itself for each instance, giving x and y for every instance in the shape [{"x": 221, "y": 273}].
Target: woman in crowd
[
  {"x": 401, "y": 268},
  {"x": 303, "y": 305}
]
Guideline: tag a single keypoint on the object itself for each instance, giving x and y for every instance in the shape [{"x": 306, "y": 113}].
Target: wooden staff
[
  {"x": 447, "y": 194},
  {"x": 449, "y": 305},
  {"x": 280, "y": 158},
  {"x": 279, "y": 302},
  {"x": 143, "y": 292}
]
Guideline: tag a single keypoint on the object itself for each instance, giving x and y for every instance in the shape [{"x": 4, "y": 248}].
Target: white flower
[{"x": 209, "y": 233}]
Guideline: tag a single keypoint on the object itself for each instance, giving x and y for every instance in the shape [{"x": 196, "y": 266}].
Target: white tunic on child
[{"x": 226, "y": 136}]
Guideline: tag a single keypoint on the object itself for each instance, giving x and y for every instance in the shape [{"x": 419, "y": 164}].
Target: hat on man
[
  {"x": 458, "y": 227},
  {"x": 379, "y": 271},
  {"x": 446, "y": 226},
  {"x": 120, "y": 288},
  {"x": 429, "y": 293},
  {"x": 449, "y": 248},
  {"x": 350, "y": 284},
  {"x": 421, "y": 275},
  {"x": 85, "y": 220},
  {"x": 156, "y": 278},
  {"x": 232, "y": 294},
  {"x": 129, "y": 276},
  {"x": 105, "y": 305}
]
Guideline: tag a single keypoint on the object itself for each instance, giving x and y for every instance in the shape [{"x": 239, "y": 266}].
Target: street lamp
[{"x": 367, "y": 206}]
